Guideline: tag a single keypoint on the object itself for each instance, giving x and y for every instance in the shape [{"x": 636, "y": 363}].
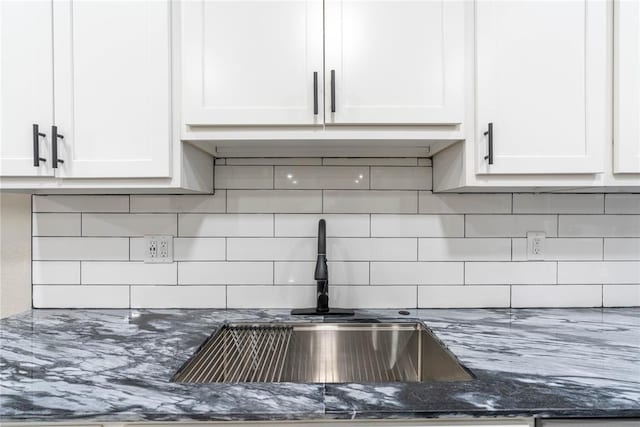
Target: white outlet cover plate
[
  {"x": 536, "y": 245},
  {"x": 158, "y": 249}
]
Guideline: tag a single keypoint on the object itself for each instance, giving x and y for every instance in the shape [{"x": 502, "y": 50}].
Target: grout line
[
  {"x": 511, "y": 244},
  {"x": 510, "y": 296},
  {"x": 464, "y": 273},
  {"x": 464, "y": 225}
]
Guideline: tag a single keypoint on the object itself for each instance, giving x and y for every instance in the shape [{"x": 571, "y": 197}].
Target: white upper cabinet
[
  {"x": 626, "y": 138},
  {"x": 26, "y": 87},
  {"x": 112, "y": 83},
  {"x": 542, "y": 82},
  {"x": 252, "y": 62},
  {"x": 394, "y": 62}
]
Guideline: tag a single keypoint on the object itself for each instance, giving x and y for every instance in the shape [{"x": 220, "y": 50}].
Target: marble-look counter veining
[{"x": 116, "y": 365}]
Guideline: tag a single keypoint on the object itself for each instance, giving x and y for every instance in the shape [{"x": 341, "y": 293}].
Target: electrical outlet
[
  {"x": 158, "y": 249},
  {"x": 535, "y": 245}
]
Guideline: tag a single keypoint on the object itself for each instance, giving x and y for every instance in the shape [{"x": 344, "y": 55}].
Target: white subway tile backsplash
[
  {"x": 225, "y": 273},
  {"x": 417, "y": 273},
  {"x": 463, "y": 296},
  {"x": 377, "y": 249},
  {"x": 509, "y": 225},
  {"x": 510, "y": 273},
  {"x": 363, "y": 201},
  {"x": 599, "y": 226},
  {"x": 128, "y": 224},
  {"x": 464, "y": 249},
  {"x": 73, "y": 296},
  {"x": 374, "y": 296},
  {"x": 400, "y": 178},
  {"x": 322, "y": 177},
  {"x": 621, "y": 295},
  {"x": 417, "y": 225},
  {"x": 340, "y": 273},
  {"x": 243, "y": 177},
  {"x": 622, "y": 204},
  {"x": 190, "y": 203},
  {"x": 609, "y": 272},
  {"x": 225, "y": 225},
  {"x": 56, "y": 224},
  {"x": 178, "y": 297},
  {"x": 80, "y": 248},
  {"x": 464, "y": 203},
  {"x": 274, "y": 201},
  {"x": 558, "y": 203},
  {"x": 128, "y": 273},
  {"x": 276, "y": 249},
  {"x": 556, "y": 296},
  {"x": 621, "y": 249},
  {"x": 555, "y": 249},
  {"x": 198, "y": 249},
  {"x": 81, "y": 203},
  {"x": 271, "y": 296},
  {"x": 306, "y": 225},
  {"x": 56, "y": 272},
  {"x": 391, "y": 243}
]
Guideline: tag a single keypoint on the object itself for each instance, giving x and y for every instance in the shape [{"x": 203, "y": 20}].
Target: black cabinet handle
[
  {"x": 315, "y": 93},
  {"x": 54, "y": 146},
  {"x": 489, "y": 134},
  {"x": 36, "y": 145},
  {"x": 333, "y": 91}
]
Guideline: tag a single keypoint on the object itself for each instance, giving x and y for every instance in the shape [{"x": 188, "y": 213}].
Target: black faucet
[{"x": 321, "y": 276}]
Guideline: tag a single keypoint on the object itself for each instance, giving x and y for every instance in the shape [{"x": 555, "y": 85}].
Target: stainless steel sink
[{"x": 322, "y": 353}]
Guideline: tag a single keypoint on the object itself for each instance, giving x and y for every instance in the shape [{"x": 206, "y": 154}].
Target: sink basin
[{"x": 322, "y": 353}]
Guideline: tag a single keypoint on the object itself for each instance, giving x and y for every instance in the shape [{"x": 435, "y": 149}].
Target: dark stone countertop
[{"x": 115, "y": 365}]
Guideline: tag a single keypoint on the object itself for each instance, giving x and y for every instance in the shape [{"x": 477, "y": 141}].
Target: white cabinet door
[
  {"x": 394, "y": 61},
  {"x": 542, "y": 81},
  {"x": 26, "y": 86},
  {"x": 252, "y": 62},
  {"x": 112, "y": 88},
  {"x": 626, "y": 137}
]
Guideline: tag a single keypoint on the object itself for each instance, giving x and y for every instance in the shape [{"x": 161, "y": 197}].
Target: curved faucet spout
[{"x": 322, "y": 237}]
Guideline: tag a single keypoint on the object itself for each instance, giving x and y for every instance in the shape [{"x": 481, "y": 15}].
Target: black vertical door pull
[
  {"x": 36, "y": 145},
  {"x": 315, "y": 93},
  {"x": 333, "y": 91},
  {"x": 54, "y": 146},
  {"x": 489, "y": 134}
]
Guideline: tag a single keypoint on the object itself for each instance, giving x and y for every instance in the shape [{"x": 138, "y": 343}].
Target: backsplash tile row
[{"x": 392, "y": 243}]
